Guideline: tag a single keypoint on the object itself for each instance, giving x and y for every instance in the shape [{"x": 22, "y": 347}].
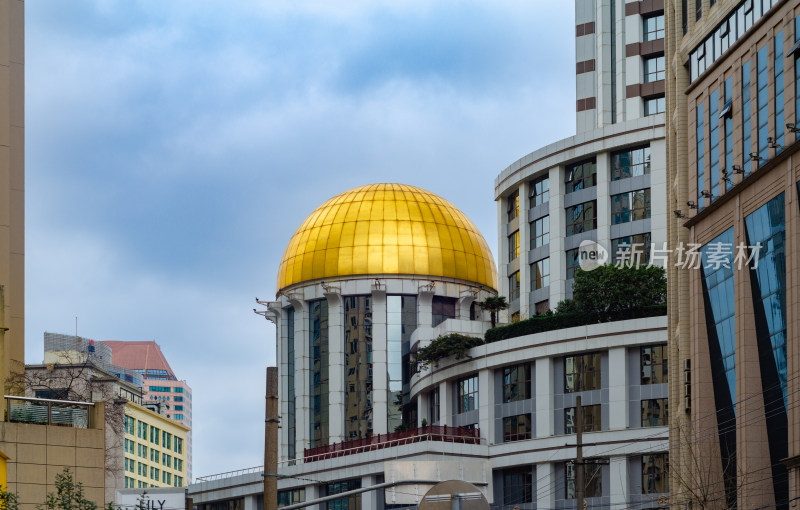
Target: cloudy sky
[{"x": 174, "y": 147}]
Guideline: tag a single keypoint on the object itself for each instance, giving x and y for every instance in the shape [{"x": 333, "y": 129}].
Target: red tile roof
[{"x": 138, "y": 355}]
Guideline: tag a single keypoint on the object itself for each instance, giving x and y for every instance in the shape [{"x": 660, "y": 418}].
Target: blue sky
[{"x": 173, "y": 148}]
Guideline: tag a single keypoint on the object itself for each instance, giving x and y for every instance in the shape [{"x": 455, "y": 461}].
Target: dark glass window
[
  {"x": 516, "y": 383},
  {"x": 572, "y": 262},
  {"x": 292, "y": 432},
  {"x": 684, "y": 17},
  {"x": 581, "y": 218},
  {"x": 540, "y": 232},
  {"x": 780, "y": 117},
  {"x": 713, "y": 138},
  {"x": 728, "y": 116},
  {"x": 467, "y": 394},
  {"x": 655, "y": 412},
  {"x": 582, "y": 372},
  {"x": 631, "y": 250},
  {"x": 655, "y": 473},
  {"x": 630, "y": 163},
  {"x": 592, "y": 477},
  {"x": 513, "y": 286},
  {"x": 358, "y": 364},
  {"x": 540, "y": 274},
  {"x": 654, "y": 364},
  {"x": 516, "y": 428},
  {"x": 654, "y": 105},
  {"x": 630, "y": 206},
  {"x": 318, "y": 318},
  {"x": 580, "y": 175},
  {"x": 747, "y": 147},
  {"x": 513, "y": 206},
  {"x": 352, "y": 502},
  {"x": 291, "y": 496},
  {"x": 517, "y": 485},
  {"x": 653, "y": 69},
  {"x": 540, "y": 191},
  {"x": 653, "y": 27},
  {"x": 762, "y": 97},
  {"x": 701, "y": 156},
  {"x": 434, "y": 407},
  {"x": 542, "y": 307},
  {"x": 443, "y": 308},
  {"x": 767, "y": 226},
  {"x": 513, "y": 246},
  {"x": 592, "y": 419}
]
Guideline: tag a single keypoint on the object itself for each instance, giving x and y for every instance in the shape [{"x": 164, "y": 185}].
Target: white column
[
  {"x": 603, "y": 200},
  {"x": 618, "y": 487},
  {"x": 617, "y": 389},
  {"x": 485, "y": 407},
  {"x": 546, "y": 485},
  {"x": 369, "y": 499},
  {"x": 558, "y": 271},
  {"x": 302, "y": 367},
  {"x": 658, "y": 195},
  {"x": 250, "y": 502},
  {"x": 545, "y": 424},
  {"x": 445, "y": 404},
  {"x": 525, "y": 307},
  {"x": 380, "y": 376},
  {"x": 335, "y": 367}
]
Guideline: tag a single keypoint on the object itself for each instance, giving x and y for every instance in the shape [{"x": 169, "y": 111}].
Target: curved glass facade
[
  {"x": 318, "y": 327},
  {"x": 358, "y": 366}
]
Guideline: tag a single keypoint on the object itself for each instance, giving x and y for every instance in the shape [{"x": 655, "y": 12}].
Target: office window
[
  {"x": 542, "y": 307},
  {"x": 631, "y": 250},
  {"x": 655, "y": 473},
  {"x": 517, "y": 382},
  {"x": 713, "y": 140},
  {"x": 443, "y": 308},
  {"x": 653, "y": 69},
  {"x": 630, "y": 163},
  {"x": 290, "y": 497},
  {"x": 513, "y": 246},
  {"x": 580, "y": 175},
  {"x": 630, "y": 206},
  {"x": 728, "y": 120},
  {"x": 762, "y": 98},
  {"x": 516, "y": 428},
  {"x": 178, "y": 445},
  {"x": 747, "y": 147},
  {"x": 701, "y": 154},
  {"x": 517, "y": 485},
  {"x": 582, "y": 372},
  {"x": 698, "y": 9},
  {"x": 166, "y": 389},
  {"x": 653, "y": 27},
  {"x": 592, "y": 419},
  {"x": 540, "y": 232},
  {"x": 467, "y": 389},
  {"x": 654, "y": 105},
  {"x": 178, "y": 408},
  {"x": 684, "y": 16},
  {"x": 178, "y": 416},
  {"x": 780, "y": 117},
  {"x": 540, "y": 274},
  {"x": 154, "y": 435},
  {"x": 654, "y": 364},
  {"x": 581, "y": 218},
  {"x": 540, "y": 191},
  {"x": 572, "y": 262},
  {"x": 434, "y": 408},
  {"x": 655, "y": 412},
  {"x": 513, "y": 206},
  {"x": 513, "y": 286},
  {"x": 592, "y": 477},
  {"x": 178, "y": 399}
]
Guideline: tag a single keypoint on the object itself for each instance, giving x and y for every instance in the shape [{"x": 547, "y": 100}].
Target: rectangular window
[
  {"x": 580, "y": 175},
  {"x": 516, "y": 428},
  {"x": 434, "y": 415},
  {"x": 654, "y": 364},
  {"x": 443, "y": 308},
  {"x": 747, "y": 148},
  {"x": 513, "y": 286},
  {"x": 178, "y": 390},
  {"x": 630, "y": 206},
  {"x": 572, "y": 262},
  {"x": 653, "y": 69},
  {"x": 540, "y": 191},
  {"x": 581, "y": 218},
  {"x": 655, "y": 412},
  {"x": 516, "y": 383},
  {"x": 540, "y": 232},
  {"x": 631, "y": 250},
  {"x": 630, "y": 163},
  {"x": 698, "y": 9},
  {"x": 513, "y": 205},
  {"x": 728, "y": 116},
  {"x": 592, "y": 419},
  {"x": 762, "y": 97},
  {"x": 780, "y": 118},
  {"x": 517, "y": 485},
  {"x": 713, "y": 139},
  {"x": 701, "y": 155},
  {"x": 654, "y": 105},
  {"x": 542, "y": 307},
  {"x": 582, "y": 372},
  {"x": 467, "y": 394},
  {"x": 655, "y": 473},
  {"x": 165, "y": 389},
  {"x": 592, "y": 477},
  {"x": 513, "y": 246},
  {"x": 540, "y": 274},
  {"x": 653, "y": 27},
  {"x": 290, "y": 497}
]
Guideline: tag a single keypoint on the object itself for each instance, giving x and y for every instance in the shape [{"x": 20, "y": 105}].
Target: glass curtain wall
[
  {"x": 358, "y": 366},
  {"x": 292, "y": 432},
  {"x": 401, "y": 321},
  {"x": 318, "y": 322}
]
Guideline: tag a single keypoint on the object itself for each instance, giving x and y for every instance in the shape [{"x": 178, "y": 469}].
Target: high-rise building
[
  {"x": 732, "y": 114},
  {"x": 160, "y": 385}
]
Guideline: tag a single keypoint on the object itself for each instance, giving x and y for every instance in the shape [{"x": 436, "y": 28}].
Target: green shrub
[{"x": 445, "y": 346}]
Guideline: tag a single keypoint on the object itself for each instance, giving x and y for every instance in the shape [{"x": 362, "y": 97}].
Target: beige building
[
  {"x": 732, "y": 111},
  {"x": 155, "y": 449}
]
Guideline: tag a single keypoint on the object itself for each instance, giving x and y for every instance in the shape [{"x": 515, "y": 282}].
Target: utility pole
[
  {"x": 271, "y": 442},
  {"x": 580, "y": 483}
]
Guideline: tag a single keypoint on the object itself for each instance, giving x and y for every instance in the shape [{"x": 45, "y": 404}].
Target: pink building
[{"x": 160, "y": 384}]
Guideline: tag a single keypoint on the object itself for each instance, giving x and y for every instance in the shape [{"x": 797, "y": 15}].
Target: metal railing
[
  {"x": 42, "y": 411},
  {"x": 441, "y": 433},
  {"x": 228, "y": 474}
]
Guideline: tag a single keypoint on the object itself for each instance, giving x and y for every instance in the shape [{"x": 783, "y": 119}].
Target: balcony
[
  {"x": 42, "y": 411},
  {"x": 442, "y": 433}
]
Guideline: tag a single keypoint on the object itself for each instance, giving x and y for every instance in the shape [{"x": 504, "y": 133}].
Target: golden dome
[{"x": 382, "y": 229}]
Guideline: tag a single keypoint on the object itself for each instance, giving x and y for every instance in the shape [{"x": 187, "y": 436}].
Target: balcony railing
[
  {"x": 42, "y": 411},
  {"x": 228, "y": 474},
  {"x": 428, "y": 433}
]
